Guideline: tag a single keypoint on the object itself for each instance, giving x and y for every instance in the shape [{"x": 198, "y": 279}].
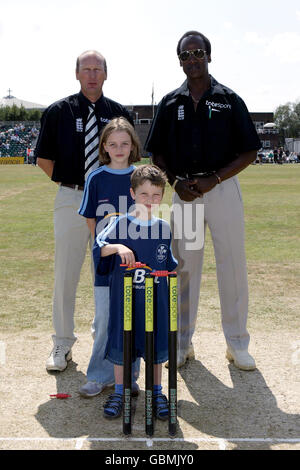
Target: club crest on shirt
[
  {"x": 161, "y": 253},
  {"x": 181, "y": 112},
  {"x": 79, "y": 125}
]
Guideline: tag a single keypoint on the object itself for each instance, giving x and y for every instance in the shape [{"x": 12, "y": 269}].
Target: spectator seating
[{"x": 14, "y": 141}]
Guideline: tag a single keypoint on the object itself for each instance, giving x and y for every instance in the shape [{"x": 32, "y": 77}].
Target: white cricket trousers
[
  {"x": 72, "y": 236},
  {"x": 224, "y": 215}
]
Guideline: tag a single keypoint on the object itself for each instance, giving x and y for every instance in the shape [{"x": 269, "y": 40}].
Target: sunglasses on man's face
[{"x": 197, "y": 53}]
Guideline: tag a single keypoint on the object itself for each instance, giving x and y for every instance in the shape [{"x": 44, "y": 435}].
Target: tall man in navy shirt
[
  {"x": 202, "y": 136},
  {"x": 68, "y": 127}
]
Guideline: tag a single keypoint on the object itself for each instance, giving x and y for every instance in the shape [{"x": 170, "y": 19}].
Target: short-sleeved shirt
[
  {"x": 151, "y": 243},
  {"x": 106, "y": 196},
  {"x": 203, "y": 140},
  {"x": 61, "y": 137}
]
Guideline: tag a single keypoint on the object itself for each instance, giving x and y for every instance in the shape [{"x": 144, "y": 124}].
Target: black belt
[
  {"x": 73, "y": 186},
  {"x": 193, "y": 175}
]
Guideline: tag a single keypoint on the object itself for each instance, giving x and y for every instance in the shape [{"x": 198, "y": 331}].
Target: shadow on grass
[
  {"x": 248, "y": 410},
  {"x": 77, "y": 417}
]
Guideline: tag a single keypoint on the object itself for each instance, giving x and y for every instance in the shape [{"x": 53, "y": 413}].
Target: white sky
[{"x": 255, "y": 47}]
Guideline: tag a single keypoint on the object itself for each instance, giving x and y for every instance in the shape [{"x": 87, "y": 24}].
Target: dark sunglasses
[{"x": 197, "y": 53}]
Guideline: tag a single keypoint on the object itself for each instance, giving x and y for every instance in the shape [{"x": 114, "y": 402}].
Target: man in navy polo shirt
[
  {"x": 202, "y": 136},
  {"x": 69, "y": 129}
]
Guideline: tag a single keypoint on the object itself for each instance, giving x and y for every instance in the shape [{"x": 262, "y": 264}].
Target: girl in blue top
[{"x": 106, "y": 196}]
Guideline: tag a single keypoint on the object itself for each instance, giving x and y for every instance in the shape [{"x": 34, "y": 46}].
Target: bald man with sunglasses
[{"x": 202, "y": 136}]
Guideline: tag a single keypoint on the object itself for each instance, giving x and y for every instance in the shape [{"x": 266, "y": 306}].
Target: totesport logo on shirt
[{"x": 215, "y": 106}]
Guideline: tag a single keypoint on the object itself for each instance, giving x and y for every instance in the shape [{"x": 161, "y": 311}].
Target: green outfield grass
[{"x": 271, "y": 196}]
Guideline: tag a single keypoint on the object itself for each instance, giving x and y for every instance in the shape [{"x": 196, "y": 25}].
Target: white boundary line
[{"x": 222, "y": 442}]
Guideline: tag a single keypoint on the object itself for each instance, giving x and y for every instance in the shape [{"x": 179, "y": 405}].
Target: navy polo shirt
[
  {"x": 61, "y": 137},
  {"x": 203, "y": 140}
]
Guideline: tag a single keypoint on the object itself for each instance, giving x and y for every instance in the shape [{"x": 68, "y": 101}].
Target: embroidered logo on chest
[
  {"x": 161, "y": 253},
  {"x": 79, "y": 125},
  {"x": 181, "y": 112}
]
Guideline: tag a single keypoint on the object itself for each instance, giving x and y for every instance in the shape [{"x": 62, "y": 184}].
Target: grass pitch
[
  {"x": 219, "y": 406},
  {"x": 271, "y": 195}
]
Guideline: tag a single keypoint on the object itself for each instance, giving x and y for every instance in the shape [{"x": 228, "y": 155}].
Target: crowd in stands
[
  {"x": 278, "y": 155},
  {"x": 19, "y": 141},
  {"x": 15, "y": 141}
]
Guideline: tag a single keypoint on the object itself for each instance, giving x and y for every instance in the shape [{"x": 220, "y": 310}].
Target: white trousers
[
  {"x": 72, "y": 236},
  {"x": 223, "y": 214}
]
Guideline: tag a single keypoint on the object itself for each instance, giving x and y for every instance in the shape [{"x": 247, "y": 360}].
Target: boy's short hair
[
  {"x": 148, "y": 173},
  {"x": 120, "y": 124}
]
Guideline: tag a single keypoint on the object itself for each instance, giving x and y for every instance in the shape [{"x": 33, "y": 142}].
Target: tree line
[
  {"x": 16, "y": 113},
  {"x": 287, "y": 120},
  {"x": 286, "y": 117}
]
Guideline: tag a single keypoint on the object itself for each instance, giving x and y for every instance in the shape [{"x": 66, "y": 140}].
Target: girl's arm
[
  {"x": 126, "y": 255},
  {"x": 91, "y": 223}
]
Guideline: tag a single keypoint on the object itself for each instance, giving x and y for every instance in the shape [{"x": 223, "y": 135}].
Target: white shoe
[
  {"x": 181, "y": 360},
  {"x": 91, "y": 389},
  {"x": 59, "y": 357},
  {"x": 241, "y": 358}
]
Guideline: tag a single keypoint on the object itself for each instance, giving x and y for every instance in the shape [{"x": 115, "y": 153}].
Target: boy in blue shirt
[{"x": 138, "y": 237}]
